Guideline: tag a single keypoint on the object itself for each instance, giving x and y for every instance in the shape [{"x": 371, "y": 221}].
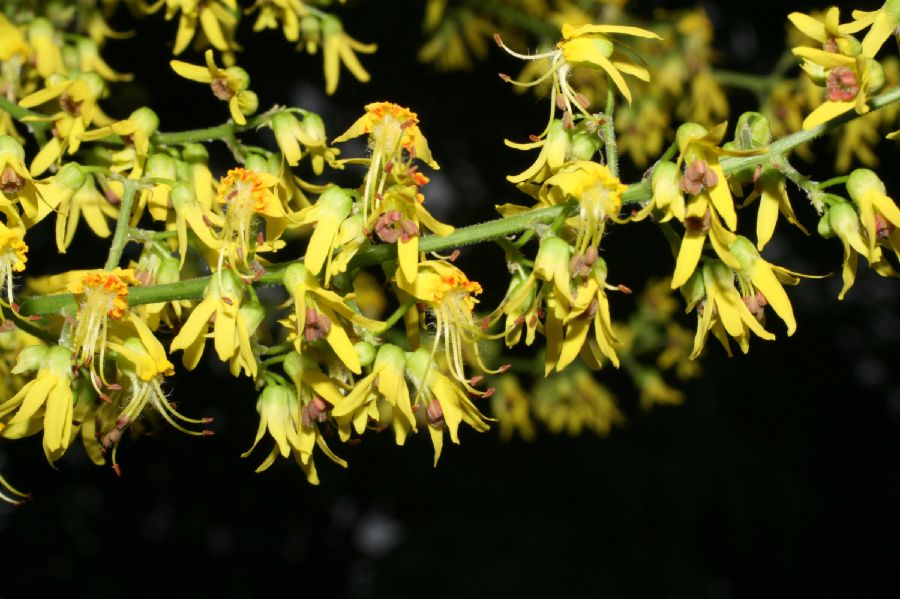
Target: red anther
[
  {"x": 105, "y": 397},
  {"x": 498, "y": 40},
  {"x": 756, "y": 173},
  {"x": 206, "y": 221},
  {"x": 503, "y": 368},
  {"x": 34, "y": 318},
  {"x": 15, "y": 307},
  {"x": 506, "y": 78},
  {"x": 582, "y": 100},
  {"x": 540, "y": 313},
  {"x": 434, "y": 413},
  {"x": 7, "y": 326},
  {"x": 70, "y": 319},
  {"x": 415, "y": 408},
  {"x": 380, "y": 429},
  {"x": 476, "y": 380},
  {"x": 560, "y": 103},
  {"x": 454, "y": 255},
  {"x": 87, "y": 364},
  {"x": 485, "y": 323},
  {"x": 227, "y": 300},
  {"x": 489, "y": 393},
  {"x": 114, "y": 386},
  {"x": 206, "y": 419},
  {"x": 534, "y": 138},
  {"x": 533, "y": 321},
  {"x": 355, "y": 441},
  {"x": 122, "y": 421},
  {"x": 117, "y": 470},
  {"x": 389, "y": 166},
  {"x": 519, "y": 320},
  {"x": 208, "y": 433},
  {"x": 568, "y": 123},
  {"x": 625, "y": 290},
  {"x": 260, "y": 237}
]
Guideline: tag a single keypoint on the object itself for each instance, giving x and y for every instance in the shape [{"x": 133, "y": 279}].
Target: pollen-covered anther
[
  {"x": 830, "y": 45},
  {"x": 317, "y": 326},
  {"x": 696, "y": 224},
  {"x": 476, "y": 380},
  {"x": 315, "y": 411},
  {"x": 10, "y": 181},
  {"x": 70, "y": 106},
  {"x": 503, "y": 368},
  {"x": 435, "y": 413},
  {"x": 582, "y": 100},
  {"x": 883, "y": 227},
  {"x": 842, "y": 84},
  {"x": 581, "y": 264},
  {"x": 624, "y": 289},
  {"x": 489, "y": 393},
  {"x": 220, "y": 89},
  {"x": 385, "y": 226},
  {"x": 697, "y": 177},
  {"x": 756, "y": 304},
  {"x": 560, "y": 101}
]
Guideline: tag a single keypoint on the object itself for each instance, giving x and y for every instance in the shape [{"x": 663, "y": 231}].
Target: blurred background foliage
[{"x": 776, "y": 476}]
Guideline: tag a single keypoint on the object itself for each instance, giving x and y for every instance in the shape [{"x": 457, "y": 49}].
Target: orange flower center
[
  {"x": 107, "y": 290},
  {"x": 240, "y": 185}
]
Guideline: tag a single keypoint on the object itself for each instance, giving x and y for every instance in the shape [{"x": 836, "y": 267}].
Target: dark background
[{"x": 777, "y": 477}]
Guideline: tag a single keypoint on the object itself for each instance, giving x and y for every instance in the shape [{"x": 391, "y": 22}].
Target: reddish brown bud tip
[{"x": 534, "y": 138}]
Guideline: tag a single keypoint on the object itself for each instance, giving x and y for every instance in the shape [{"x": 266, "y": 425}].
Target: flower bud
[
  {"x": 294, "y": 276},
  {"x": 824, "y": 227},
  {"x": 161, "y": 166},
  {"x": 365, "y": 351},
  {"x": 195, "y": 153},
  {"x": 666, "y": 189},
  {"x": 238, "y": 79},
  {"x": 686, "y": 133},
  {"x": 247, "y": 102},
  {"x": 863, "y": 181},
  {"x": 147, "y": 120},
  {"x": 552, "y": 257},
  {"x": 95, "y": 83},
  {"x": 694, "y": 290},
  {"x": 257, "y": 163},
  {"x": 252, "y": 313},
  {"x": 9, "y": 146},
  {"x": 70, "y": 176},
  {"x": 391, "y": 355},
  {"x": 31, "y": 358},
  {"x": 312, "y": 129},
  {"x": 584, "y": 145},
  {"x": 745, "y": 252},
  {"x": 752, "y": 131},
  {"x": 843, "y": 219},
  {"x": 421, "y": 367},
  {"x": 296, "y": 364},
  {"x": 876, "y": 75},
  {"x": 286, "y": 126}
]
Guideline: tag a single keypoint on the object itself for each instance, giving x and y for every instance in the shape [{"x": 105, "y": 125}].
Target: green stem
[
  {"x": 609, "y": 131},
  {"x": 755, "y": 83},
  {"x": 224, "y": 131},
  {"x": 18, "y": 113},
  {"x": 120, "y": 237},
  {"x": 142, "y": 235},
  {"x": 397, "y": 315},
  {"x": 636, "y": 194},
  {"x": 834, "y": 181}
]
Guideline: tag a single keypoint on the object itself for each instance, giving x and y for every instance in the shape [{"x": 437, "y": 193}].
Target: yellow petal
[
  {"x": 826, "y": 112},
  {"x": 764, "y": 279},
  {"x": 190, "y": 71}
]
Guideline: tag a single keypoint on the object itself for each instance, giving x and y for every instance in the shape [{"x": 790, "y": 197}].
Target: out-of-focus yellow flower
[
  {"x": 135, "y": 131},
  {"x": 12, "y": 260},
  {"x": 288, "y": 12},
  {"x": 46, "y": 48},
  {"x": 883, "y": 22},
  {"x": 573, "y": 401},
  {"x": 12, "y": 42},
  {"x": 642, "y": 130},
  {"x": 339, "y": 47},
  {"x": 510, "y": 405},
  {"x": 460, "y": 37},
  {"x": 229, "y": 85},
  {"x": 217, "y": 18}
]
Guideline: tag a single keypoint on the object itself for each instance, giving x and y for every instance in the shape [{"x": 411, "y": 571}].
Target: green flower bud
[
  {"x": 745, "y": 252},
  {"x": 248, "y": 102},
  {"x": 161, "y": 166},
  {"x": 824, "y": 227},
  {"x": 9, "y": 146},
  {"x": 421, "y": 367},
  {"x": 876, "y": 75},
  {"x": 816, "y": 72},
  {"x": 694, "y": 289},
  {"x": 336, "y": 203},
  {"x": 391, "y": 355},
  {"x": 70, "y": 176},
  {"x": 365, "y": 351},
  {"x": 863, "y": 181},
  {"x": 294, "y": 276},
  {"x": 168, "y": 271},
  {"x": 553, "y": 256},
  {"x": 31, "y": 358},
  {"x": 752, "y": 131},
  {"x": 584, "y": 145},
  {"x": 296, "y": 364},
  {"x": 257, "y": 162},
  {"x": 95, "y": 83},
  {"x": 147, "y": 120},
  {"x": 182, "y": 195},
  {"x": 843, "y": 219},
  {"x": 687, "y": 132},
  {"x": 252, "y": 314},
  {"x": 195, "y": 153},
  {"x": 313, "y": 129},
  {"x": 275, "y": 397},
  {"x": 238, "y": 79}
]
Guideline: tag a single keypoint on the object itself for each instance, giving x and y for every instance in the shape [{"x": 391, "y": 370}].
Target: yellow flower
[
  {"x": 573, "y": 401},
  {"x": 229, "y": 85},
  {"x": 339, "y": 47},
  {"x": 878, "y": 213},
  {"x": 841, "y": 219},
  {"x": 395, "y": 142},
  {"x": 246, "y": 196},
  {"x": 135, "y": 131},
  {"x": 443, "y": 400},
  {"x": 88, "y": 203},
  {"x": 384, "y": 381},
  {"x": 510, "y": 406},
  {"x": 328, "y": 213},
  {"x": 102, "y": 295},
  {"x": 773, "y": 199},
  {"x": 273, "y": 11},
  {"x": 218, "y": 19},
  {"x": 290, "y": 133},
  {"x": 12, "y": 42},
  {"x": 46, "y": 48},
  {"x": 51, "y": 390},
  {"x": 722, "y": 310},
  {"x": 315, "y": 316},
  {"x": 90, "y": 61},
  {"x": 849, "y": 83},
  {"x": 449, "y": 294},
  {"x": 883, "y": 23},
  {"x": 294, "y": 428},
  {"x": 189, "y": 213},
  {"x": 398, "y": 219},
  {"x": 833, "y": 36},
  {"x": 12, "y": 260},
  {"x": 599, "y": 196},
  {"x": 222, "y": 301},
  {"x": 77, "y": 102}
]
